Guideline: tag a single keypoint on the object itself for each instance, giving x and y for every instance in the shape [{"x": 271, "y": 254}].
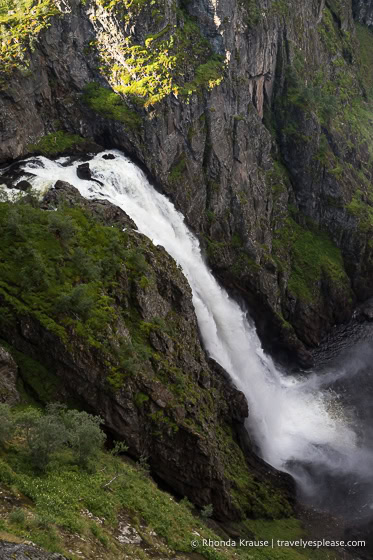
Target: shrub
[
  {"x": 48, "y": 436},
  {"x": 17, "y": 516},
  {"x": 26, "y": 420},
  {"x": 55, "y": 143},
  {"x": 61, "y": 226},
  {"x": 207, "y": 511},
  {"x": 84, "y": 436},
  {"x": 59, "y": 432},
  {"x": 77, "y": 303},
  {"x": 6, "y": 423}
]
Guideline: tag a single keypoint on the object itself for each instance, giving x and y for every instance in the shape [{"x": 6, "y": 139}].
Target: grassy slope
[{"x": 67, "y": 510}]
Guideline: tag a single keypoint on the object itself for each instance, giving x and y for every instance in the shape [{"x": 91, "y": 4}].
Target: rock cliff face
[
  {"x": 8, "y": 378},
  {"x": 252, "y": 116},
  {"x": 363, "y": 11}
]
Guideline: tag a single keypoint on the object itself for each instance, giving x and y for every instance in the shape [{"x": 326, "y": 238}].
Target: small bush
[
  {"x": 85, "y": 436},
  {"x": 43, "y": 521},
  {"x": 59, "y": 436},
  {"x": 48, "y": 436},
  {"x": 17, "y": 516},
  {"x": 61, "y": 226},
  {"x": 77, "y": 303},
  {"x": 207, "y": 511},
  {"x": 6, "y": 424}
]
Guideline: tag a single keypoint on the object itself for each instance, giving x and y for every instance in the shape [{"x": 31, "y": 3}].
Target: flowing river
[{"x": 300, "y": 424}]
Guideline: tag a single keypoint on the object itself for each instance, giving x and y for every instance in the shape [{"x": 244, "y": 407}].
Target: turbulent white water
[{"x": 291, "y": 419}]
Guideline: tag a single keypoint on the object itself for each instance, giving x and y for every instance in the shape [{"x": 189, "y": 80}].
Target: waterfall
[{"x": 294, "y": 420}]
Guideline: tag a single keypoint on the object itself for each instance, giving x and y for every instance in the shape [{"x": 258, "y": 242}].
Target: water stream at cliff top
[{"x": 298, "y": 423}]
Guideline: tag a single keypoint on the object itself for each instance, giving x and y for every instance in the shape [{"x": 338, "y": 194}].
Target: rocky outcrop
[
  {"x": 363, "y": 11},
  {"x": 8, "y": 378},
  {"x": 15, "y": 551},
  {"x": 266, "y": 157}
]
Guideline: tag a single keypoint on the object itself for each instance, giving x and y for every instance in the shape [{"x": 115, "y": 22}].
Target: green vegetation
[
  {"x": 20, "y": 23},
  {"x": 255, "y": 498},
  {"x": 312, "y": 255},
  {"x": 55, "y": 143},
  {"x": 362, "y": 209},
  {"x": 365, "y": 37},
  {"x": 177, "y": 170},
  {"x": 328, "y": 32},
  {"x": 176, "y": 60},
  {"x": 281, "y": 7},
  {"x": 333, "y": 96},
  {"x": 277, "y": 179},
  {"x": 109, "y": 104},
  {"x": 44, "y": 437},
  {"x": 69, "y": 506},
  {"x": 253, "y": 12},
  {"x": 62, "y": 268},
  {"x": 207, "y": 75}
]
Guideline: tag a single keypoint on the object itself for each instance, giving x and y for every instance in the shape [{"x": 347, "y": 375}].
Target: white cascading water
[{"x": 291, "y": 419}]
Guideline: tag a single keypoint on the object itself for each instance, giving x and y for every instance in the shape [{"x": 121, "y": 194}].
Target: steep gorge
[{"x": 254, "y": 117}]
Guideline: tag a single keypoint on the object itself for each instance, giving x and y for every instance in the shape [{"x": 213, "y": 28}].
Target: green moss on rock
[
  {"x": 55, "y": 143},
  {"x": 312, "y": 255},
  {"x": 109, "y": 104},
  {"x": 176, "y": 59}
]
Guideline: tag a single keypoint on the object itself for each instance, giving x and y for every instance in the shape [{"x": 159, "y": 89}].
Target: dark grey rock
[
  {"x": 84, "y": 172},
  {"x": 8, "y": 378},
  {"x": 366, "y": 310},
  {"x": 108, "y": 213},
  {"x": 14, "y": 551},
  {"x": 363, "y": 11},
  {"x": 23, "y": 185}
]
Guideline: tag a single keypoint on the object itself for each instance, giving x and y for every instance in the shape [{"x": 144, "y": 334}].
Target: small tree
[
  {"x": 85, "y": 436},
  {"x": 26, "y": 420},
  {"x": 207, "y": 511},
  {"x": 61, "y": 226},
  {"x": 48, "y": 436},
  {"x": 56, "y": 431},
  {"x": 6, "y": 423},
  {"x": 85, "y": 265},
  {"x": 77, "y": 303}
]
